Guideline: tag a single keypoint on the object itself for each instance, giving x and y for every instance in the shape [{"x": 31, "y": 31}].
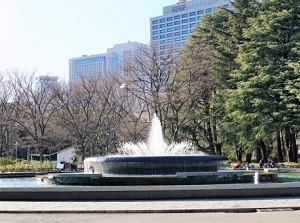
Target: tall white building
[
  {"x": 173, "y": 27},
  {"x": 110, "y": 62}
]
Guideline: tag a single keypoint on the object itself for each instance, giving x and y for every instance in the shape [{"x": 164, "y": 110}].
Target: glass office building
[
  {"x": 178, "y": 21},
  {"x": 100, "y": 64},
  {"x": 87, "y": 66}
]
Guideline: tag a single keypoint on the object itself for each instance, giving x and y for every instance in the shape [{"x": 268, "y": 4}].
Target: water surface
[{"x": 23, "y": 182}]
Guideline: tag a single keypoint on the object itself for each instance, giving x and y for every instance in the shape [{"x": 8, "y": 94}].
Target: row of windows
[
  {"x": 175, "y": 23},
  {"x": 163, "y": 51},
  {"x": 90, "y": 60},
  {"x": 185, "y": 15},
  {"x": 185, "y": 32},
  {"x": 176, "y": 28}
]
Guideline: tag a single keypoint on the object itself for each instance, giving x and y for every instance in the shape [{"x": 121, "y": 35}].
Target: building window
[
  {"x": 193, "y": 19},
  {"x": 162, "y": 41},
  {"x": 177, "y": 34},
  {"x": 192, "y": 24},
  {"x": 177, "y": 39},
  {"x": 177, "y": 17},
  {"x": 177, "y": 28},
  {"x": 185, "y": 26},
  {"x": 185, "y": 21},
  {"x": 169, "y": 29},
  {"x": 184, "y": 15},
  {"x": 184, "y": 37},
  {"x": 192, "y": 30},
  {"x": 209, "y": 10},
  {"x": 200, "y": 12},
  {"x": 169, "y": 34},
  {"x": 169, "y": 40},
  {"x": 162, "y": 26},
  {"x": 192, "y": 13},
  {"x": 154, "y": 22},
  {"x": 154, "y": 32},
  {"x": 169, "y": 18},
  {"x": 170, "y": 24},
  {"x": 185, "y": 32},
  {"x": 155, "y": 37},
  {"x": 162, "y": 36},
  {"x": 155, "y": 27},
  {"x": 162, "y": 20},
  {"x": 163, "y": 47},
  {"x": 177, "y": 23},
  {"x": 162, "y": 31}
]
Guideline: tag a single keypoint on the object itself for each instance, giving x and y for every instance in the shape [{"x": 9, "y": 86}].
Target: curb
[{"x": 218, "y": 210}]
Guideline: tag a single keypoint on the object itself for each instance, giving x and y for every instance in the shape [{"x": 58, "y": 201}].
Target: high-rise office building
[
  {"x": 110, "y": 62},
  {"x": 178, "y": 21},
  {"x": 87, "y": 66},
  {"x": 118, "y": 56}
]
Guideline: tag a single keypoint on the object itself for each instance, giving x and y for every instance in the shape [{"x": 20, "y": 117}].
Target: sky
[{"x": 42, "y": 35}]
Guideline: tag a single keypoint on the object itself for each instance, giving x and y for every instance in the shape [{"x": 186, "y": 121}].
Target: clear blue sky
[{"x": 42, "y": 35}]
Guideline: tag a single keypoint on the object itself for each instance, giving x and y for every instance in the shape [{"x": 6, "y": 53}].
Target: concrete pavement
[{"x": 157, "y": 206}]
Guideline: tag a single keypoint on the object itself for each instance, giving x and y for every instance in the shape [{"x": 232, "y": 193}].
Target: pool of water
[
  {"x": 22, "y": 182},
  {"x": 288, "y": 177}
]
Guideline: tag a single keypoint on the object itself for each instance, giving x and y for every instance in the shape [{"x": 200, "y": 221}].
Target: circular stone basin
[{"x": 153, "y": 165}]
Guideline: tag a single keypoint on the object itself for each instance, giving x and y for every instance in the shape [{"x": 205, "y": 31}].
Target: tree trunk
[
  {"x": 248, "y": 157},
  {"x": 258, "y": 153},
  {"x": 210, "y": 138},
  {"x": 294, "y": 148},
  {"x": 217, "y": 145},
  {"x": 287, "y": 143},
  {"x": 41, "y": 152},
  {"x": 279, "y": 148},
  {"x": 263, "y": 150},
  {"x": 239, "y": 154}
]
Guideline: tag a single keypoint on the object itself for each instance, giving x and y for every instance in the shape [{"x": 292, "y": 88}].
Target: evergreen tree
[
  {"x": 267, "y": 75},
  {"x": 222, "y": 31}
]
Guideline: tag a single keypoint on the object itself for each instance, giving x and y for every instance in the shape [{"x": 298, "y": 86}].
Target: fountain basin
[
  {"x": 181, "y": 178},
  {"x": 152, "y": 165}
]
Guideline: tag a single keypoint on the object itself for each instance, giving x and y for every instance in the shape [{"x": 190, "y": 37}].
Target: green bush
[
  {"x": 6, "y": 160},
  {"x": 10, "y": 165}
]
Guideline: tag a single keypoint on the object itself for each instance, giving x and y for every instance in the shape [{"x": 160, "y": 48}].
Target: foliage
[{"x": 13, "y": 165}]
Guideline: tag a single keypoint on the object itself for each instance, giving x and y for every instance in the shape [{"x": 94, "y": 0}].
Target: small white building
[{"x": 65, "y": 156}]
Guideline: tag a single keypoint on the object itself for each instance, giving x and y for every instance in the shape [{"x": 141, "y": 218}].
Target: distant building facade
[
  {"x": 171, "y": 29},
  {"x": 86, "y": 66},
  {"x": 110, "y": 62},
  {"x": 45, "y": 82}
]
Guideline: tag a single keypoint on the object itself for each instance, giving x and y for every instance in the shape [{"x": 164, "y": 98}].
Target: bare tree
[
  {"x": 8, "y": 134},
  {"x": 83, "y": 108},
  {"x": 148, "y": 76},
  {"x": 34, "y": 110}
]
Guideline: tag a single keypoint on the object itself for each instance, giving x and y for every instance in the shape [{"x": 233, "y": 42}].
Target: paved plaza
[{"x": 157, "y": 206}]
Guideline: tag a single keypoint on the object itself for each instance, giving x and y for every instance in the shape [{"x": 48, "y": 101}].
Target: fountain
[
  {"x": 155, "y": 157},
  {"x": 155, "y": 163},
  {"x": 256, "y": 178}
]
